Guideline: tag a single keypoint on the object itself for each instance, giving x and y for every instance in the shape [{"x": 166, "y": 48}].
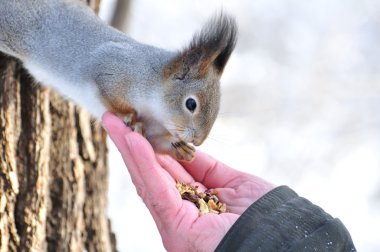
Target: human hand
[{"x": 178, "y": 221}]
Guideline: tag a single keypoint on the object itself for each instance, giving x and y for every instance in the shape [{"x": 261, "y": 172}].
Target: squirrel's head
[{"x": 191, "y": 80}]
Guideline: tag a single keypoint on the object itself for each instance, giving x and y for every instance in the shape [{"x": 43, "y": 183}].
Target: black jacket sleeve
[{"x": 283, "y": 221}]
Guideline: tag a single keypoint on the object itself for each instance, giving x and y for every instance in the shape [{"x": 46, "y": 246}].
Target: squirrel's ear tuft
[
  {"x": 218, "y": 39},
  {"x": 211, "y": 47}
]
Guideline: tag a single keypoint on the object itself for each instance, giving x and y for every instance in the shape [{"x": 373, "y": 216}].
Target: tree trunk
[
  {"x": 120, "y": 14},
  {"x": 53, "y": 171}
]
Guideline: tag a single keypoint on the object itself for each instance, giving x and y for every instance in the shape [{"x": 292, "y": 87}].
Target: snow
[{"x": 301, "y": 103}]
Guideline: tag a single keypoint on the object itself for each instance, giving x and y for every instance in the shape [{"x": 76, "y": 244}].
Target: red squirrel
[{"x": 173, "y": 97}]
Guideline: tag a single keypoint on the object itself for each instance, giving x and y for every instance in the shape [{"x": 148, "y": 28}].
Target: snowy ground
[{"x": 300, "y": 105}]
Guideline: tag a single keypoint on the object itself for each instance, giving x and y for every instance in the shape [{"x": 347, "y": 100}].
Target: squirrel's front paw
[
  {"x": 136, "y": 126},
  {"x": 183, "y": 151}
]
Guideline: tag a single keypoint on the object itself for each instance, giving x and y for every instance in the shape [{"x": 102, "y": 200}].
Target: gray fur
[
  {"x": 66, "y": 46},
  {"x": 68, "y": 41}
]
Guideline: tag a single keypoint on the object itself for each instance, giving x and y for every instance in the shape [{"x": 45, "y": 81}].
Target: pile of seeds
[{"x": 206, "y": 202}]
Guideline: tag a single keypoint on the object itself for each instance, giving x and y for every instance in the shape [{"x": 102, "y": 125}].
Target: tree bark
[
  {"x": 53, "y": 170},
  {"x": 120, "y": 15}
]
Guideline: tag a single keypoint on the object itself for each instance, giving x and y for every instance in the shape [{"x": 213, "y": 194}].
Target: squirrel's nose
[
  {"x": 197, "y": 141},
  {"x": 195, "y": 137},
  {"x": 198, "y": 137}
]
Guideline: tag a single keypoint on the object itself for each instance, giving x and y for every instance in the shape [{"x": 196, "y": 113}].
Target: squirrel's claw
[
  {"x": 130, "y": 121},
  {"x": 179, "y": 149},
  {"x": 138, "y": 127},
  {"x": 183, "y": 151}
]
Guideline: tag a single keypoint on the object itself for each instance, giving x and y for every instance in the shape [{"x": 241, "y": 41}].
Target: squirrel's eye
[{"x": 191, "y": 104}]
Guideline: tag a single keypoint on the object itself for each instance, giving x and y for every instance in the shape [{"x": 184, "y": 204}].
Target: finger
[
  {"x": 117, "y": 131},
  {"x": 115, "y": 127},
  {"x": 152, "y": 183},
  {"x": 210, "y": 172},
  {"x": 158, "y": 187},
  {"x": 175, "y": 169},
  {"x": 179, "y": 173}
]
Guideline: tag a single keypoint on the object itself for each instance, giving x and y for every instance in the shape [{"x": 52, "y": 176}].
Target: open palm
[{"x": 178, "y": 221}]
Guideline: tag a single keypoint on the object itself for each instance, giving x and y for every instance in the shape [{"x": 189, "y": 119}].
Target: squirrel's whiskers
[{"x": 173, "y": 97}]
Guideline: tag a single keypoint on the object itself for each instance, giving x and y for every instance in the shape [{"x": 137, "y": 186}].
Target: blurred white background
[{"x": 300, "y": 105}]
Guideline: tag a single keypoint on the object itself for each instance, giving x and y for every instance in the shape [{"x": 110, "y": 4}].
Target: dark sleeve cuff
[{"x": 283, "y": 221}]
